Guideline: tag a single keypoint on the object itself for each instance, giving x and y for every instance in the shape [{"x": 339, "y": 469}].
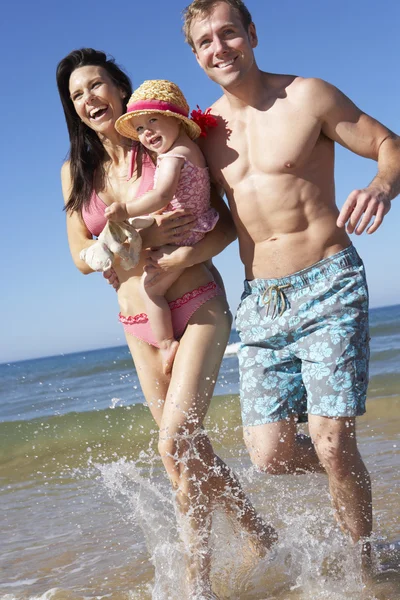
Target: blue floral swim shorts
[{"x": 305, "y": 342}]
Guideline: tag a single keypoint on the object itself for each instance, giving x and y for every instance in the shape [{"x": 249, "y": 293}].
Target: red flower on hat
[{"x": 204, "y": 120}]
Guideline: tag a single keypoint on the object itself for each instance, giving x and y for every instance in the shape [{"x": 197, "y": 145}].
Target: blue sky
[{"x": 46, "y": 305}]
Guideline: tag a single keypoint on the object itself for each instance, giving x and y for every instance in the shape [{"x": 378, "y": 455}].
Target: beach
[{"x": 87, "y": 510}]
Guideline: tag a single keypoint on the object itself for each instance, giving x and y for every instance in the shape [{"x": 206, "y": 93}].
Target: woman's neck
[{"x": 116, "y": 146}]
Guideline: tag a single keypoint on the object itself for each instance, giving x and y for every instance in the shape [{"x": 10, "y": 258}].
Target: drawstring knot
[{"x": 275, "y": 298}]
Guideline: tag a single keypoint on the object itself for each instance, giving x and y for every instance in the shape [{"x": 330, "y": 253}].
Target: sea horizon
[{"x": 99, "y": 348}]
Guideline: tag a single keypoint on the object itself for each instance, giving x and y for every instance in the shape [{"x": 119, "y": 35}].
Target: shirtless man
[{"x": 303, "y": 318}]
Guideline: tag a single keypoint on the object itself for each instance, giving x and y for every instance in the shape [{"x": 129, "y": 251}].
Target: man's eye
[{"x": 205, "y": 43}]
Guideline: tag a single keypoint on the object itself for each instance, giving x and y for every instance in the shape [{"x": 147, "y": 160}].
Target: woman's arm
[
  {"x": 223, "y": 234},
  {"x": 79, "y": 237},
  {"x": 168, "y": 174}
]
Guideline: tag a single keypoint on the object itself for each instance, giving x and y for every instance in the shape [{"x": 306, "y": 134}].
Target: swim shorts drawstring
[{"x": 275, "y": 298}]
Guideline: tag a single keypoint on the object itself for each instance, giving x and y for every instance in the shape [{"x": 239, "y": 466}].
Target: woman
[{"x": 94, "y": 93}]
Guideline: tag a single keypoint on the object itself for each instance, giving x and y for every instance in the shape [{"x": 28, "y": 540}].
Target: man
[{"x": 303, "y": 318}]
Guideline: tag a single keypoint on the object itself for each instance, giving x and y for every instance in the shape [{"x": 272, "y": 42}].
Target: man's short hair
[{"x": 205, "y": 7}]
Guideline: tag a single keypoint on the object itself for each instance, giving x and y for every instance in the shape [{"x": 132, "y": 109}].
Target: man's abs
[
  {"x": 280, "y": 237},
  {"x": 286, "y": 254}
]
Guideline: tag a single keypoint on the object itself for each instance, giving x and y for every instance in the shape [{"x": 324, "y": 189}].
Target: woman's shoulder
[
  {"x": 66, "y": 168},
  {"x": 66, "y": 174},
  {"x": 66, "y": 179}
]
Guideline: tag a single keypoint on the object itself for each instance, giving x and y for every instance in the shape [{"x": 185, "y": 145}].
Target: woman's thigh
[
  {"x": 196, "y": 367},
  {"x": 149, "y": 369},
  {"x": 189, "y": 391}
]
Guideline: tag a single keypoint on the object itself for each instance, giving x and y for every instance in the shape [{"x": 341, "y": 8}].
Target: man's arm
[
  {"x": 346, "y": 124},
  {"x": 374, "y": 201}
]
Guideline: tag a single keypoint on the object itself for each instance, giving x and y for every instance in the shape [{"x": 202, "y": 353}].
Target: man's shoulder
[
  {"x": 217, "y": 108},
  {"x": 313, "y": 95},
  {"x": 309, "y": 87}
]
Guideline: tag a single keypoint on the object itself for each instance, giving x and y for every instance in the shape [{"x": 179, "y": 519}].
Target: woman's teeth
[{"x": 98, "y": 112}]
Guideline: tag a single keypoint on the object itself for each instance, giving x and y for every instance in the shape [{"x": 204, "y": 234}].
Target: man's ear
[{"x": 252, "y": 33}]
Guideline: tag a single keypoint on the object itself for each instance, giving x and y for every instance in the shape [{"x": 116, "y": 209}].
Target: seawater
[{"x": 87, "y": 510}]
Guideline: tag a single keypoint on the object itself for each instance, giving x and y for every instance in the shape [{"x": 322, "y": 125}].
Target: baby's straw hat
[{"x": 157, "y": 96}]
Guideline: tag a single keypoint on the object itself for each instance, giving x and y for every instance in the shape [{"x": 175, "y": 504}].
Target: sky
[{"x": 47, "y": 306}]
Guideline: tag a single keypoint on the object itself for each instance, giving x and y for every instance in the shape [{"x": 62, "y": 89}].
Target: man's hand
[
  {"x": 169, "y": 228},
  {"x": 361, "y": 207},
  {"x": 166, "y": 259},
  {"x": 112, "y": 278},
  {"x": 116, "y": 212}
]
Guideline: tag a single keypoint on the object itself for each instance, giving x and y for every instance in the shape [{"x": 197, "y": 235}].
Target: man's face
[{"x": 223, "y": 47}]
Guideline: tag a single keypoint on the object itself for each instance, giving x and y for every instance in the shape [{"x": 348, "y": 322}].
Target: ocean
[{"x": 87, "y": 511}]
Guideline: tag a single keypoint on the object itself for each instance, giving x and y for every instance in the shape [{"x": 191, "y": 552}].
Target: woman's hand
[
  {"x": 168, "y": 229},
  {"x": 112, "y": 278}
]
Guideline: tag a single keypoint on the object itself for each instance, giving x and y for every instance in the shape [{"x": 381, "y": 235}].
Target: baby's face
[{"x": 156, "y": 131}]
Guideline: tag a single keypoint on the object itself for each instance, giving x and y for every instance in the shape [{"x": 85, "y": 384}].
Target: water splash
[{"x": 313, "y": 559}]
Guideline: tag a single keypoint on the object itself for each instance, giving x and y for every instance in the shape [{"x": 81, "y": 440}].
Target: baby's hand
[{"x": 116, "y": 212}]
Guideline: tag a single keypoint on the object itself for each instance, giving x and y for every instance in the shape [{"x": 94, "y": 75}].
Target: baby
[{"x": 157, "y": 116}]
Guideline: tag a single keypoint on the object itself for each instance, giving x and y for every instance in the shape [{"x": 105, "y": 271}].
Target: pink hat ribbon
[{"x": 155, "y": 105}]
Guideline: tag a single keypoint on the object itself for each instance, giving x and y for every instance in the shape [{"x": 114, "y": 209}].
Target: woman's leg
[
  {"x": 202, "y": 478},
  {"x": 160, "y": 315},
  {"x": 149, "y": 369},
  {"x": 198, "y": 475}
]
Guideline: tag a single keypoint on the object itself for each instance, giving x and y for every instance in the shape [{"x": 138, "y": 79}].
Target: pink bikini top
[{"x": 93, "y": 213}]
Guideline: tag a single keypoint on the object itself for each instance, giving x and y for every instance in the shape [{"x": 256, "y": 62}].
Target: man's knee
[
  {"x": 337, "y": 459},
  {"x": 273, "y": 461}
]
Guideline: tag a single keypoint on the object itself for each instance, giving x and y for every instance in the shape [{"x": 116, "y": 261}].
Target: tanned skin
[{"x": 273, "y": 155}]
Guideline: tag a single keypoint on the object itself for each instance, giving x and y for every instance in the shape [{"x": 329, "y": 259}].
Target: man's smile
[{"x": 225, "y": 64}]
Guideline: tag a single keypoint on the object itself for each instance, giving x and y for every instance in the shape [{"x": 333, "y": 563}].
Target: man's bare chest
[{"x": 270, "y": 146}]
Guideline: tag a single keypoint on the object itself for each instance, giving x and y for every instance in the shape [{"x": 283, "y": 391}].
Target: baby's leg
[{"x": 160, "y": 315}]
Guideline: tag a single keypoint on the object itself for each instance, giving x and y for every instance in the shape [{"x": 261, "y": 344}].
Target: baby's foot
[{"x": 168, "y": 354}]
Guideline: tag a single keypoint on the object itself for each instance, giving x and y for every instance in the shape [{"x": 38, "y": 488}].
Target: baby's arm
[{"x": 168, "y": 174}]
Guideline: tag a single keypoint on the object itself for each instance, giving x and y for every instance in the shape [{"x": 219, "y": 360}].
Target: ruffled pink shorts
[{"x": 181, "y": 311}]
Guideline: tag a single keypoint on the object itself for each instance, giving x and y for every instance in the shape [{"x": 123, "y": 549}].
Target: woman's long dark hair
[{"x": 87, "y": 153}]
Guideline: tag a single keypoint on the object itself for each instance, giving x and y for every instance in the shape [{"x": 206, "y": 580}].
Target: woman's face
[{"x": 96, "y": 98}]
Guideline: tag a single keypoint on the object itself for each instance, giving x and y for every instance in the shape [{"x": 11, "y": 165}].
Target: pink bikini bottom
[{"x": 181, "y": 311}]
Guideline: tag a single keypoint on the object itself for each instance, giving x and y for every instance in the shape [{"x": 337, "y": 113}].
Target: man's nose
[{"x": 219, "y": 45}]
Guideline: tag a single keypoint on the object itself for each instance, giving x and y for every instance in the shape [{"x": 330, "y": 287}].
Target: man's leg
[
  {"x": 277, "y": 448},
  {"x": 349, "y": 482}
]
